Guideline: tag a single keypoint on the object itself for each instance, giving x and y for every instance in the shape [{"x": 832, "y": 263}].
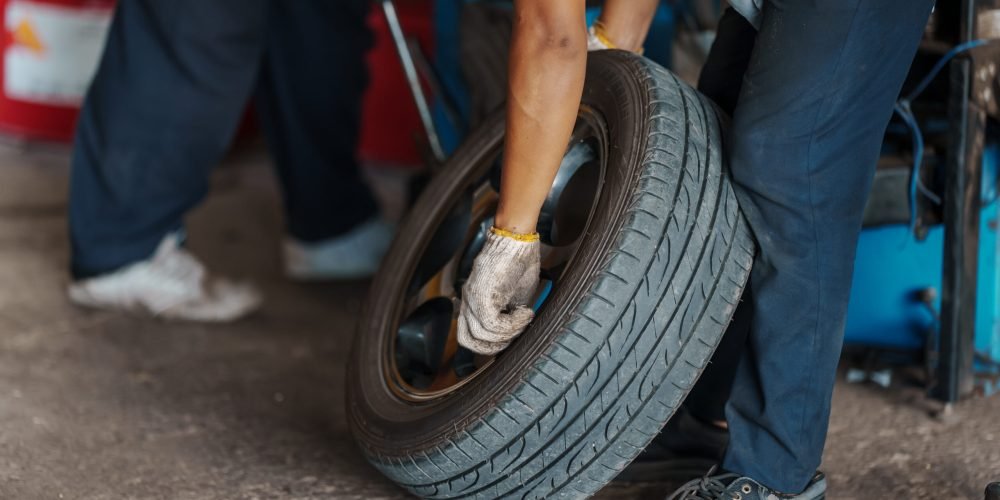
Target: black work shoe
[
  {"x": 686, "y": 448},
  {"x": 730, "y": 486}
]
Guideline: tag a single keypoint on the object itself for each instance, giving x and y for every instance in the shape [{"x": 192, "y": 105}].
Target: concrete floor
[{"x": 96, "y": 405}]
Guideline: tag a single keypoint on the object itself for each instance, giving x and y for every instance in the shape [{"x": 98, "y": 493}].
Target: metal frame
[
  {"x": 413, "y": 80},
  {"x": 967, "y": 110}
]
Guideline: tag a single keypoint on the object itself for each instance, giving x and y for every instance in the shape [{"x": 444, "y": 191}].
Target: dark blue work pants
[
  {"x": 810, "y": 95},
  {"x": 169, "y": 93}
]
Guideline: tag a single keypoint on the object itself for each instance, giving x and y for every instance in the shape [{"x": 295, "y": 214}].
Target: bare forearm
[{"x": 547, "y": 64}]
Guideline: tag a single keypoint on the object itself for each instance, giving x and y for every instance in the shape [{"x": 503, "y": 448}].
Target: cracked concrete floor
[{"x": 96, "y": 405}]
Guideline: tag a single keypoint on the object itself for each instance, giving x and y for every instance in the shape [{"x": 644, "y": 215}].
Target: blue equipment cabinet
[{"x": 893, "y": 270}]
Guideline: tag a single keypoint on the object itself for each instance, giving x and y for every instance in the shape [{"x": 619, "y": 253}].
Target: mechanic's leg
[
  {"x": 168, "y": 94},
  {"x": 722, "y": 75},
  {"x": 309, "y": 100},
  {"x": 720, "y": 80},
  {"x": 805, "y": 139}
]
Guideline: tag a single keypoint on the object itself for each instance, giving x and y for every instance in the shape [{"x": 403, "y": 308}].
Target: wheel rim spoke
[{"x": 438, "y": 286}]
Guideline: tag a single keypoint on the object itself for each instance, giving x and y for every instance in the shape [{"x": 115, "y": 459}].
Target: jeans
[
  {"x": 168, "y": 96},
  {"x": 810, "y": 94}
]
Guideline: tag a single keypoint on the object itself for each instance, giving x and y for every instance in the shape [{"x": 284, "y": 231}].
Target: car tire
[{"x": 619, "y": 341}]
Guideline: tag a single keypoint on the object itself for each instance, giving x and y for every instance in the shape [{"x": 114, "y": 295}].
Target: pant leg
[
  {"x": 806, "y": 134},
  {"x": 720, "y": 80},
  {"x": 309, "y": 99},
  {"x": 722, "y": 75},
  {"x": 166, "y": 99}
]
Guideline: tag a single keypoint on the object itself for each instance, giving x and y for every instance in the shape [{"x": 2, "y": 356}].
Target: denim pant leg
[
  {"x": 807, "y": 129},
  {"x": 309, "y": 100},
  {"x": 167, "y": 97}
]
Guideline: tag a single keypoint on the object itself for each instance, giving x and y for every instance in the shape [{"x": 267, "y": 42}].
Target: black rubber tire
[
  {"x": 484, "y": 34},
  {"x": 620, "y": 341}
]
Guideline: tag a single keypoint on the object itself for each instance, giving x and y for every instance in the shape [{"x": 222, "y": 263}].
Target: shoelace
[{"x": 710, "y": 487}]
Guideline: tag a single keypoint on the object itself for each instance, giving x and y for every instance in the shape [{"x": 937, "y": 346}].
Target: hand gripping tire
[{"x": 630, "y": 323}]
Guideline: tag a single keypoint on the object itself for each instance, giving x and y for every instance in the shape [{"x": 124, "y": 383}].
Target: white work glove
[
  {"x": 596, "y": 40},
  {"x": 496, "y": 300}
]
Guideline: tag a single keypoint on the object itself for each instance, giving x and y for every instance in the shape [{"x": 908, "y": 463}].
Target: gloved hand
[
  {"x": 596, "y": 40},
  {"x": 496, "y": 300}
]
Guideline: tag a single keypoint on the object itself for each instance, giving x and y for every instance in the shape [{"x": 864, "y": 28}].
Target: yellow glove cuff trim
[
  {"x": 602, "y": 36},
  {"x": 528, "y": 238}
]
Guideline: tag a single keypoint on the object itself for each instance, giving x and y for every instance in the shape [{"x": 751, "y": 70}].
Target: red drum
[{"x": 50, "y": 51}]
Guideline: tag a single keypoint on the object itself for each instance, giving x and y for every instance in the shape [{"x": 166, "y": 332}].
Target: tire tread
[{"x": 642, "y": 333}]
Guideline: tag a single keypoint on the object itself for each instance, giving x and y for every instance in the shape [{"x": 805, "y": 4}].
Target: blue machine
[{"x": 893, "y": 268}]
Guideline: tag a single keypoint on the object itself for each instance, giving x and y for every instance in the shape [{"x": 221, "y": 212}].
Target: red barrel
[{"x": 50, "y": 50}]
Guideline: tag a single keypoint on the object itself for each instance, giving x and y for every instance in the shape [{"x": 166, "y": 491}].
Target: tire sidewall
[{"x": 388, "y": 426}]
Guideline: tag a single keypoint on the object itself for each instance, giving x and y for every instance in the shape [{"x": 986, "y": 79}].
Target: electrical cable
[
  {"x": 956, "y": 50},
  {"x": 902, "y": 108}
]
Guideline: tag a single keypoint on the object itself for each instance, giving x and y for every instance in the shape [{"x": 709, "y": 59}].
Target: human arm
[
  {"x": 547, "y": 66},
  {"x": 548, "y": 58}
]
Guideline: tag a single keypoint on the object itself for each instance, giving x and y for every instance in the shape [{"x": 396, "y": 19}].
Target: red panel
[{"x": 391, "y": 124}]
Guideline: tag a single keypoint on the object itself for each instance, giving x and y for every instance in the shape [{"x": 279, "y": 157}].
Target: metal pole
[
  {"x": 962, "y": 206},
  {"x": 406, "y": 58}
]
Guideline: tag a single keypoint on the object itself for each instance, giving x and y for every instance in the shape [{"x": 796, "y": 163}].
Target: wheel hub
[{"x": 427, "y": 362}]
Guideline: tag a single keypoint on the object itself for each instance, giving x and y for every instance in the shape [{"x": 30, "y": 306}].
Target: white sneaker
[
  {"x": 171, "y": 284},
  {"x": 356, "y": 254}
]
